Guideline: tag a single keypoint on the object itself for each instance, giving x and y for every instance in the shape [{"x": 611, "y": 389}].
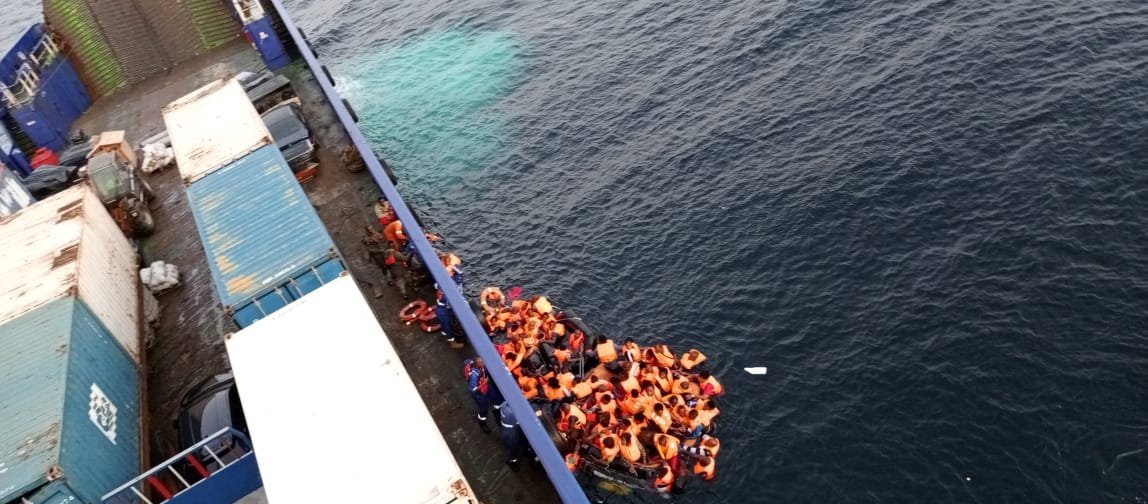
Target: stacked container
[
  {"x": 69, "y": 377},
  {"x": 13, "y": 195},
  {"x": 265, "y": 244}
]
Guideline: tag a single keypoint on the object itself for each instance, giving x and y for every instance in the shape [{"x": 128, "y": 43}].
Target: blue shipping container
[
  {"x": 69, "y": 406},
  {"x": 265, "y": 244}
]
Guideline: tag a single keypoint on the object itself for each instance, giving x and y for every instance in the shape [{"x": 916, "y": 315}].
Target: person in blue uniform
[
  {"x": 478, "y": 383},
  {"x": 511, "y": 435}
]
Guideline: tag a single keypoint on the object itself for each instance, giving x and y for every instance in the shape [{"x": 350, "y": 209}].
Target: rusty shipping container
[{"x": 67, "y": 246}]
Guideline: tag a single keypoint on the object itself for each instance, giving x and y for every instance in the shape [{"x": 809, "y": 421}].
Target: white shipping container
[
  {"x": 333, "y": 415},
  {"x": 213, "y": 126},
  {"x": 13, "y": 195},
  {"x": 68, "y": 245}
]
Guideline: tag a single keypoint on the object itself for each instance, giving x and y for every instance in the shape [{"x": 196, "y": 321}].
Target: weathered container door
[{"x": 115, "y": 43}]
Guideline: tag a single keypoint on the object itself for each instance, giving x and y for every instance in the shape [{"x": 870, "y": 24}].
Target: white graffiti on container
[{"x": 102, "y": 413}]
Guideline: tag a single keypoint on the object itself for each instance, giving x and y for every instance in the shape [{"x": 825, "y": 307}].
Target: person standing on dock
[
  {"x": 511, "y": 435},
  {"x": 446, "y": 321},
  {"x": 478, "y": 383}
]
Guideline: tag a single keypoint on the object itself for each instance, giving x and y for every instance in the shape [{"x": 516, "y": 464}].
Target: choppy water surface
[{"x": 927, "y": 218}]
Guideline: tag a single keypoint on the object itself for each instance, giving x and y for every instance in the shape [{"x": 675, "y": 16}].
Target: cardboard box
[{"x": 113, "y": 141}]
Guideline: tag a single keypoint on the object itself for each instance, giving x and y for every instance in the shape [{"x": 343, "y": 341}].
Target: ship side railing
[
  {"x": 27, "y": 80},
  {"x": 551, "y": 459},
  {"x": 221, "y": 468}
]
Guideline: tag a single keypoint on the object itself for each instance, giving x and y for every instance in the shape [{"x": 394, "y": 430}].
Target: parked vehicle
[
  {"x": 293, "y": 136},
  {"x": 265, "y": 89},
  {"x": 211, "y": 405},
  {"x": 124, "y": 191}
]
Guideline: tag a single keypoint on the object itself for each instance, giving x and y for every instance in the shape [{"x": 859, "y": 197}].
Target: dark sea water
[{"x": 929, "y": 219}]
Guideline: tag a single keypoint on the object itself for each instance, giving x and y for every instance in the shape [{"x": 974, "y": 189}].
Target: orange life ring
[
  {"x": 427, "y": 314},
  {"x": 429, "y": 327},
  {"x": 412, "y": 310}
]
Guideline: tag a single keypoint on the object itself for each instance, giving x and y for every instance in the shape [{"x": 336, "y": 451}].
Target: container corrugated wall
[
  {"x": 86, "y": 45},
  {"x": 118, "y": 42},
  {"x": 13, "y": 195},
  {"x": 68, "y": 246},
  {"x": 69, "y": 405},
  {"x": 259, "y": 230}
]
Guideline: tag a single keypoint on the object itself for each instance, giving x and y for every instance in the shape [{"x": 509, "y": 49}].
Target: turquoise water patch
[{"x": 427, "y": 104}]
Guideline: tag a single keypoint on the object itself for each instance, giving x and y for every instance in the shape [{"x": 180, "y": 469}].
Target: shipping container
[
  {"x": 265, "y": 244},
  {"x": 213, "y": 126},
  {"x": 69, "y": 407},
  {"x": 13, "y": 195},
  {"x": 68, "y": 246},
  {"x": 319, "y": 379}
]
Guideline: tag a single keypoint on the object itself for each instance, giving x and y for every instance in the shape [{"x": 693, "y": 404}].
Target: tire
[
  {"x": 390, "y": 173},
  {"x": 146, "y": 190},
  {"x": 330, "y": 78},
  {"x": 143, "y": 224},
  {"x": 351, "y": 110}
]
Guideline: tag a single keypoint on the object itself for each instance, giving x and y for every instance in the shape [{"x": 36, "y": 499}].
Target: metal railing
[
  {"x": 223, "y": 457},
  {"x": 552, "y": 461},
  {"x": 27, "y": 79}
]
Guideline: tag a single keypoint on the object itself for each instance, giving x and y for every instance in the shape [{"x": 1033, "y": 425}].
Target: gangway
[{"x": 221, "y": 468}]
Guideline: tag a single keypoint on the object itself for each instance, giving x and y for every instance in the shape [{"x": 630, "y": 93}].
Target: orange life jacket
[
  {"x": 688, "y": 362},
  {"x": 560, "y": 329},
  {"x": 576, "y": 412},
  {"x": 663, "y": 421},
  {"x": 608, "y": 454},
  {"x": 394, "y": 232},
  {"x": 632, "y": 452},
  {"x": 566, "y": 380},
  {"x": 582, "y": 390},
  {"x": 671, "y": 449},
  {"x": 707, "y": 470},
  {"x": 717, "y": 388},
  {"x": 632, "y": 352},
  {"x": 606, "y": 351},
  {"x": 665, "y": 359},
  {"x": 679, "y": 387},
  {"x": 705, "y": 417},
  {"x": 610, "y": 407},
  {"x": 664, "y": 384},
  {"x": 664, "y": 483},
  {"x": 513, "y": 364},
  {"x": 555, "y": 394},
  {"x": 713, "y": 449},
  {"x": 576, "y": 340},
  {"x": 631, "y": 406},
  {"x": 631, "y": 383}
]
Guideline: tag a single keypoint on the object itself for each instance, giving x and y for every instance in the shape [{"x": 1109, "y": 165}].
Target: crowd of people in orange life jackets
[{"x": 638, "y": 406}]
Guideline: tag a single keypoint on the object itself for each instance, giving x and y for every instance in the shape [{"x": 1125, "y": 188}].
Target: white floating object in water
[{"x": 756, "y": 370}]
